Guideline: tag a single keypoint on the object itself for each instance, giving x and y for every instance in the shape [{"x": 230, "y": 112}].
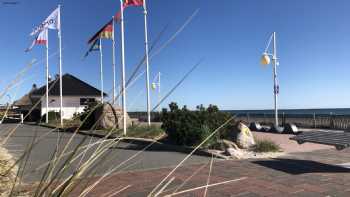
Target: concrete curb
[{"x": 144, "y": 141}]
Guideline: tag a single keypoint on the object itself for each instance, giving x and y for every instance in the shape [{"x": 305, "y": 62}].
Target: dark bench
[{"x": 340, "y": 140}]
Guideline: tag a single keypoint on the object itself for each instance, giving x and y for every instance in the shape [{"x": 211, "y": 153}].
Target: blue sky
[{"x": 313, "y": 39}]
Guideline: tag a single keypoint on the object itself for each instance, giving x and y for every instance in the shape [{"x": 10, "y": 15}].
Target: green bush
[
  {"x": 266, "y": 146},
  {"x": 150, "y": 132},
  {"x": 53, "y": 116},
  {"x": 185, "y": 127},
  {"x": 87, "y": 116}
]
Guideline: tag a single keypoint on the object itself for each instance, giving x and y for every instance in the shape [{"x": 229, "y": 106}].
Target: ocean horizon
[{"x": 320, "y": 111}]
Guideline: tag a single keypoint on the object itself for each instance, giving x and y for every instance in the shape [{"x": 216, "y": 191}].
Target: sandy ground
[{"x": 287, "y": 145}]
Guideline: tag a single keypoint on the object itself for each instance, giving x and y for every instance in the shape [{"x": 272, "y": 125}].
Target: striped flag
[
  {"x": 96, "y": 46},
  {"x": 105, "y": 32},
  {"x": 40, "y": 39}
]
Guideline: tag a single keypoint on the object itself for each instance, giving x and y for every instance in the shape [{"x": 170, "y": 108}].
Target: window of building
[{"x": 86, "y": 101}]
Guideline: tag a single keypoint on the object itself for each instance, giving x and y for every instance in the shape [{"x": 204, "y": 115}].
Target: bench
[{"x": 340, "y": 140}]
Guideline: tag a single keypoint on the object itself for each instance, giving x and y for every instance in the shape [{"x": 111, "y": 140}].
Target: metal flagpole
[
  {"x": 113, "y": 66},
  {"x": 101, "y": 69},
  {"x": 147, "y": 65},
  {"x": 274, "y": 58},
  {"x": 47, "y": 76},
  {"x": 119, "y": 99},
  {"x": 60, "y": 66},
  {"x": 123, "y": 65},
  {"x": 159, "y": 95}
]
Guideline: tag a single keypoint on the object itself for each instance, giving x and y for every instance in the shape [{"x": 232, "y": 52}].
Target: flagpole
[
  {"x": 159, "y": 95},
  {"x": 101, "y": 70},
  {"x": 47, "y": 77},
  {"x": 274, "y": 58},
  {"x": 60, "y": 65},
  {"x": 119, "y": 99},
  {"x": 123, "y": 64},
  {"x": 113, "y": 56},
  {"x": 147, "y": 66}
]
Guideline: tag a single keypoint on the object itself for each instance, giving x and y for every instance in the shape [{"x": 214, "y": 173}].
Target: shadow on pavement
[
  {"x": 159, "y": 147},
  {"x": 296, "y": 167}
]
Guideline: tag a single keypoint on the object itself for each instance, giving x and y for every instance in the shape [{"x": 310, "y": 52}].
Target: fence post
[
  {"x": 22, "y": 119},
  {"x": 283, "y": 119},
  {"x": 331, "y": 121},
  {"x": 314, "y": 120}
]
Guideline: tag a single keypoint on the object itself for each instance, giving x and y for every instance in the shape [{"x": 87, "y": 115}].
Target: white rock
[{"x": 245, "y": 138}]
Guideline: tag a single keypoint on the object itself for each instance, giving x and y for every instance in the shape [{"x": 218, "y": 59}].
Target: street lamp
[
  {"x": 265, "y": 60},
  {"x": 156, "y": 85}
]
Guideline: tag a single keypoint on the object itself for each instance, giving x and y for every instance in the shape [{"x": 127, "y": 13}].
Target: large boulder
[
  {"x": 108, "y": 116},
  {"x": 231, "y": 149},
  {"x": 245, "y": 138}
]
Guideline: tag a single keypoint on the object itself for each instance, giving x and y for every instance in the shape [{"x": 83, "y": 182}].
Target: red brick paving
[{"x": 289, "y": 176}]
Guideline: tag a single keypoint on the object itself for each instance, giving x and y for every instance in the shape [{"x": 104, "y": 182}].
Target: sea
[{"x": 324, "y": 111}]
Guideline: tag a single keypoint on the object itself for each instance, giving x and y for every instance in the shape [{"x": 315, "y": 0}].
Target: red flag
[
  {"x": 40, "y": 39},
  {"x": 117, "y": 17},
  {"x": 127, "y": 3}
]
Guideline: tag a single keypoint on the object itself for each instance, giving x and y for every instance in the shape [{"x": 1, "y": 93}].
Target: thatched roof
[{"x": 24, "y": 101}]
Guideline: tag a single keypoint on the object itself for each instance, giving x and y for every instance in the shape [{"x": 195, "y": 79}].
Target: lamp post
[{"x": 265, "y": 60}]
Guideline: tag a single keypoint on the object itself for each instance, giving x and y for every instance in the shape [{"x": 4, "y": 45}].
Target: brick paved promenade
[{"x": 299, "y": 174}]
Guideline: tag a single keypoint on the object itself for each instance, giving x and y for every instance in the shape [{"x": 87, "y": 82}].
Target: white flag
[
  {"x": 51, "y": 22},
  {"x": 41, "y": 39}
]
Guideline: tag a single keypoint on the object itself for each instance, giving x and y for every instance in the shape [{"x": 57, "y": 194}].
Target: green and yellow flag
[{"x": 96, "y": 46}]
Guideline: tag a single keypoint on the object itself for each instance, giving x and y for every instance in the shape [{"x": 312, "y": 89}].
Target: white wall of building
[{"x": 71, "y": 105}]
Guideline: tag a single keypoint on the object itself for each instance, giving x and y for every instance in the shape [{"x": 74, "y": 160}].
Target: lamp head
[
  {"x": 265, "y": 59},
  {"x": 154, "y": 86}
]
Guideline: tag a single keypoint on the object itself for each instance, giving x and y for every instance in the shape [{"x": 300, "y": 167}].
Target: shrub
[
  {"x": 88, "y": 115},
  {"x": 53, "y": 116},
  {"x": 150, "y": 132},
  {"x": 266, "y": 146},
  {"x": 185, "y": 127}
]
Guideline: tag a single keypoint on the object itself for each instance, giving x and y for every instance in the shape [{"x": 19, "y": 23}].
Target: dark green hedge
[
  {"x": 185, "y": 127},
  {"x": 53, "y": 116}
]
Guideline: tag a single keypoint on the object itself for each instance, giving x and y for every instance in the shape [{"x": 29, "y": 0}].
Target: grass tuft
[
  {"x": 149, "y": 132},
  {"x": 263, "y": 146}
]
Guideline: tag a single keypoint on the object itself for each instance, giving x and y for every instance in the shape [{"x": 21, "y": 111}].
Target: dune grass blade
[
  {"x": 110, "y": 194},
  {"x": 43, "y": 176},
  {"x": 164, "y": 187},
  {"x": 191, "y": 153},
  {"x": 204, "y": 186},
  {"x": 66, "y": 154},
  {"x": 86, "y": 191},
  {"x": 68, "y": 188},
  {"x": 17, "y": 78},
  {"x": 190, "y": 177},
  {"x": 21, "y": 168},
  {"x": 209, "y": 174},
  {"x": 172, "y": 38},
  {"x": 47, "y": 179},
  {"x": 143, "y": 60},
  {"x": 11, "y": 132},
  {"x": 178, "y": 84}
]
